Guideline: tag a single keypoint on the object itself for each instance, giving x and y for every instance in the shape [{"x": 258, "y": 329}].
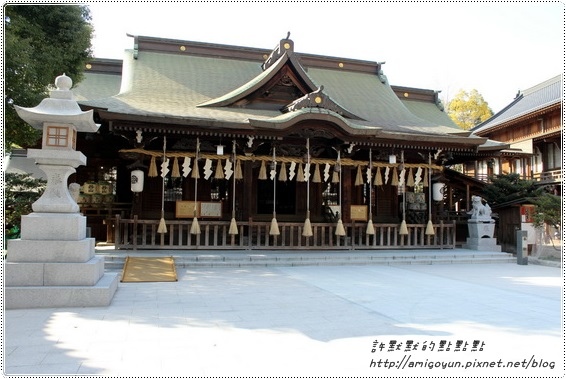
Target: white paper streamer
[
  {"x": 292, "y": 170},
  {"x": 418, "y": 176},
  {"x": 326, "y": 172},
  {"x": 386, "y": 176},
  {"x": 187, "y": 166},
  {"x": 307, "y": 171},
  {"x": 165, "y": 168},
  {"x": 402, "y": 178},
  {"x": 228, "y": 169},
  {"x": 207, "y": 169}
]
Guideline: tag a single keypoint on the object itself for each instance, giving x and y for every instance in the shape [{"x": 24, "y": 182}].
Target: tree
[
  {"x": 509, "y": 187},
  {"x": 468, "y": 109},
  {"x": 41, "y": 42},
  {"x": 21, "y": 191}
]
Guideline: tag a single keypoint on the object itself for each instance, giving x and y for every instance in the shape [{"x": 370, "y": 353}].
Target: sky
[{"x": 496, "y": 48}]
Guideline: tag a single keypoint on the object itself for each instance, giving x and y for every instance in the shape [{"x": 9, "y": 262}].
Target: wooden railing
[{"x": 142, "y": 234}]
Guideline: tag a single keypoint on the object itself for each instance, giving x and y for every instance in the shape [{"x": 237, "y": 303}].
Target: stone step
[{"x": 115, "y": 260}]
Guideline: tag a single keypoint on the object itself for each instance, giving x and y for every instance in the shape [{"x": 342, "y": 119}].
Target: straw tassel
[
  {"x": 340, "y": 231},
  {"x": 162, "y": 228},
  {"x": 233, "y": 227},
  {"x": 175, "y": 172},
  {"x": 152, "y": 173},
  {"x": 274, "y": 229},
  {"x": 425, "y": 178},
  {"x": 403, "y": 228},
  {"x": 283, "y": 173},
  {"x": 335, "y": 177},
  {"x": 300, "y": 174},
  {"x": 359, "y": 179},
  {"x": 429, "y": 229},
  {"x": 219, "y": 174},
  {"x": 195, "y": 227},
  {"x": 307, "y": 228},
  {"x": 262, "y": 171},
  {"x": 238, "y": 174},
  {"x": 370, "y": 230},
  {"x": 195, "y": 172},
  {"x": 411, "y": 178},
  {"x": 316, "y": 177},
  {"x": 395, "y": 177},
  {"x": 378, "y": 180}
]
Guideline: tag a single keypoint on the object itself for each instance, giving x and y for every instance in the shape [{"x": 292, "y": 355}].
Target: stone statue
[{"x": 479, "y": 210}]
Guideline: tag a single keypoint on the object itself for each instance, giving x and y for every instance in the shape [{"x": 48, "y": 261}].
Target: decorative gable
[{"x": 283, "y": 85}]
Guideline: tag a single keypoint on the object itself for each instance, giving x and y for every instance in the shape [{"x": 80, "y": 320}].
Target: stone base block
[
  {"x": 54, "y": 274},
  {"x": 20, "y": 250},
  {"x": 23, "y": 274},
  {"x": 99, "y": 295},
  {"x": 483, "y": 244},
  {"x": 53, "y": 226}
]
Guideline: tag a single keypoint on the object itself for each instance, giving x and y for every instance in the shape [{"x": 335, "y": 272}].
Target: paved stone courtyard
[{"x": 306, "y": 321}]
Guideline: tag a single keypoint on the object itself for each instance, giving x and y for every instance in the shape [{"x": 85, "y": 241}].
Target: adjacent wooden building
[{"x": 221, "y": 134}]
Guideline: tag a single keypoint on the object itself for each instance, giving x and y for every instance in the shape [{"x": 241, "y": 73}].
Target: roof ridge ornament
[{"x": 285, "y": 45}]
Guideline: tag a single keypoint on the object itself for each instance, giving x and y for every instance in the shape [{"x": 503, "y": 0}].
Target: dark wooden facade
[{"x": 171, "y": 95}]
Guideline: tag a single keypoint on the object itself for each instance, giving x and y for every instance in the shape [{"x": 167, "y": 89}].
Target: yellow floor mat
[{"x": 149, "y": 269}]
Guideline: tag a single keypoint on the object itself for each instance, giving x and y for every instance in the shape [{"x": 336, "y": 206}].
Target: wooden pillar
[
  {"x": 346, "y": 192},
  {"x": 249, "y": 193}
]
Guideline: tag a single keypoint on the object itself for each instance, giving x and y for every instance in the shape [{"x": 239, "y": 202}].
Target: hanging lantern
[
  {"x": 136, "y": 181},
  {"x": 219, "y": 149},
  {"x": 392, "y": 159},
  {"x": 438, "y": 191}
]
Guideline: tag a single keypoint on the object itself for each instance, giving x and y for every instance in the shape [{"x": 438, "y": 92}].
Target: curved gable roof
[{"x": 543, "y": 95}]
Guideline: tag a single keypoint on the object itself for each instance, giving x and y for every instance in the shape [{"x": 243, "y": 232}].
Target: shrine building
[{"x": 207, "y": 146}]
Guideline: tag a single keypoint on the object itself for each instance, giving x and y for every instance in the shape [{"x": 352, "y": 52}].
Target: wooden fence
[{"x": 142, "y": 234}]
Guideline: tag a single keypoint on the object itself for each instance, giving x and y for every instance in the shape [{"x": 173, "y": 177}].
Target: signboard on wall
[
  {"x": 204, "y": 209},
  {"x": 359, "y": 212}
]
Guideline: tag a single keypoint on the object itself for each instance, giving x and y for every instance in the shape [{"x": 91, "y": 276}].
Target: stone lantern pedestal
[{"x": 53, "y": 264}]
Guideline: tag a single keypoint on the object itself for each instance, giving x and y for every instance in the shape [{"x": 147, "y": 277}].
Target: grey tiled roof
[
  {"x": 170, "y": 88},
  {"x": 538, "y": 97}
]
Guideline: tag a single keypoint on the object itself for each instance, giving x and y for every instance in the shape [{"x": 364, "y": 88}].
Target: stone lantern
[{"x": 53, "y": 264}]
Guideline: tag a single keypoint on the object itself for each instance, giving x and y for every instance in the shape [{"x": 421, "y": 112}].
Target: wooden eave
[
  {"x": 104, "y": 66},
  {"x": 415, "y": 94}
]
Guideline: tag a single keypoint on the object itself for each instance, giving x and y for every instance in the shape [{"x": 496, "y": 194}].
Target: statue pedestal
[
  {"x": 54, "y": 265},
  {"x": 481, "y": 235}
]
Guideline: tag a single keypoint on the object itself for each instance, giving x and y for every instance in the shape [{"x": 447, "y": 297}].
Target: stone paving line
[{"x": 304, "y": 321}]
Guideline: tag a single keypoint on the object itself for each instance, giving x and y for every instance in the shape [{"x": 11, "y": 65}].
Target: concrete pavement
[{"x": 306, "y": 321}]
